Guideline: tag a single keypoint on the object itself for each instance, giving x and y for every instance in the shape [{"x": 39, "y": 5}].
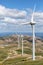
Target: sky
[{"x": 15, "y": 12}]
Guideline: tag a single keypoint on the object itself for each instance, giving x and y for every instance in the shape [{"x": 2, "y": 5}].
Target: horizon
[{"x": 39, "y": 34}]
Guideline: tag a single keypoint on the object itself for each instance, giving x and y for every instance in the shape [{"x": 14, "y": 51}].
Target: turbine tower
[
  {"x": 18, "y": 41},
  {"x": 22, "y": 44},
  {"x": 32, "y": 23}
]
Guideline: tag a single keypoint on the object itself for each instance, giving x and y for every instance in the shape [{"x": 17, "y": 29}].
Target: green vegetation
[
  {"x": 26, "y": 51},
  {"x": 38, "y": 54},
  {"x": 22, "y": 61},
  {"x": 3, "y": 54}
]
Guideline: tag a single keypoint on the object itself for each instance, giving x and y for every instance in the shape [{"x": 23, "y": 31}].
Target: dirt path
[{"x": 28, "y": 57}]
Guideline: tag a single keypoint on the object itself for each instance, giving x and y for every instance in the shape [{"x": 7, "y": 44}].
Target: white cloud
[
  {"x": 8, "y": 15},
  {"x": 11, "y": 15},
  {"x": 12, "y": 12},
  {"x": 10, "y": 20}
]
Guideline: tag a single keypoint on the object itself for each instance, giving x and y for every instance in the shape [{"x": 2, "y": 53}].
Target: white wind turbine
[{"x": 32, "y": 23}]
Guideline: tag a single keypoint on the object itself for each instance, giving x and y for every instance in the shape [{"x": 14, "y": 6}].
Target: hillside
[{"x": 9, "y": 49}]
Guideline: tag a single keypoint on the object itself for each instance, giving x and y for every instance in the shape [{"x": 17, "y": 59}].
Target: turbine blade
[
  {"x": 33, "y": 13},
  {"x": 25, "y": 23}
]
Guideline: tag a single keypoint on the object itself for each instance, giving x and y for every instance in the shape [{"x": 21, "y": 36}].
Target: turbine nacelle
[{"x": 32, "y": 23}]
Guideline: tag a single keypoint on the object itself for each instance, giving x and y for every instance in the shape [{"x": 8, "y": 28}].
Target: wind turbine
[{"x": 32, "y": 23}]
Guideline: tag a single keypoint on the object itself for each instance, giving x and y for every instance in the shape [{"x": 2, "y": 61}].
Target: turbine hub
[{"x": 32, "y": 23}]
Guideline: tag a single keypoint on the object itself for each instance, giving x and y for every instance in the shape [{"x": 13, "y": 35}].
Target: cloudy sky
[{"x": 15, "y": 12}]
